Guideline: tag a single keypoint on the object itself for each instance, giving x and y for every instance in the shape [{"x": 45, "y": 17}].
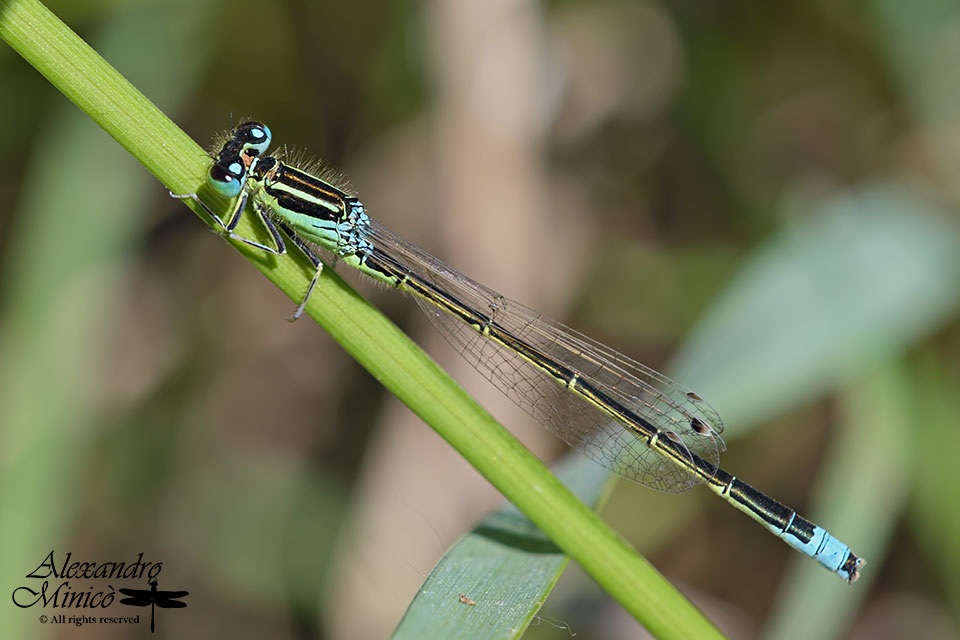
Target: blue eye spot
[{"x": 235, "y": 168}]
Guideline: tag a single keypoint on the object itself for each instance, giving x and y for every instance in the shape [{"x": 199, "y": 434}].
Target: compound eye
[
  {"x": 226, "y": 179},
  {"x": 254, "y": 136}
]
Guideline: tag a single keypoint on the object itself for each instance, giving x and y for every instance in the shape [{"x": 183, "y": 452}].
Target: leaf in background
[
  {"x": 934, "y": 517},
  {"x": 864, "y": 276},
  {"x": 506, "y": 566}
]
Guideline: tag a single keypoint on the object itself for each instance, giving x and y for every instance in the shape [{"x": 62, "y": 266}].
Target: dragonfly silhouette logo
[{"x": 153, "y": 598}]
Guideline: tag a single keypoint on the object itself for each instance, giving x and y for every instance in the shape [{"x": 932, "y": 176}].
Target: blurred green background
[{"x": 759, "y": 199}]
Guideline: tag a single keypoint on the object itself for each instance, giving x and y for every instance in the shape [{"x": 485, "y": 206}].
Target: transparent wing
[{"x": 670, "y": 407}]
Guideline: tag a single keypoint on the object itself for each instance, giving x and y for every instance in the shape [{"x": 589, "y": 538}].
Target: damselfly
[{"x": 618, "y": 412}]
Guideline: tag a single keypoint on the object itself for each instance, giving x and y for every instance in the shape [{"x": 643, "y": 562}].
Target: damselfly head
[{"x": 247, "y": 142}]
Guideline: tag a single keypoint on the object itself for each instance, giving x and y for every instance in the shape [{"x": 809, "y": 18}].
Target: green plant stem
[{"x": 399, "y": 364}]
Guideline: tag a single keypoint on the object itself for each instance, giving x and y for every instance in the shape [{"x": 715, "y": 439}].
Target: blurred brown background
[{"x": 759, "y": 199}]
